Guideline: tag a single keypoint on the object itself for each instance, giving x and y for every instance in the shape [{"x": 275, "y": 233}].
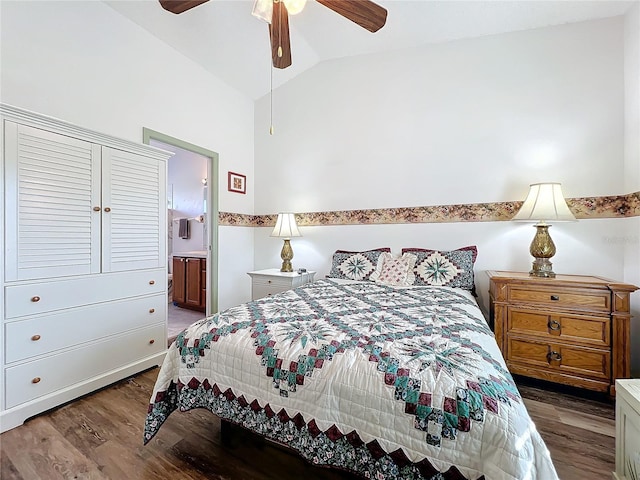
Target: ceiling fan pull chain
[
  {"x": 280, "y": 29},
  {"x": 271, "y": 100}
]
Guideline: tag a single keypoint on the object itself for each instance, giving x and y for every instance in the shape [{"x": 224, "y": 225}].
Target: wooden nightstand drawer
[
  {"x": 567, "y": 359},
  {"x": 582, "y": 329},
  {"x": 574, "y": 298}
]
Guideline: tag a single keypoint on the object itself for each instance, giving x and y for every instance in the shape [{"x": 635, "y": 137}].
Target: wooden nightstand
[
  {"x": 272, "y": 281},
  {"x": 571, "y": 329}
]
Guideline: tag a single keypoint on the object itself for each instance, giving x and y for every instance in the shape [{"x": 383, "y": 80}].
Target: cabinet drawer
[
  {"x": 49, "y": 296},
  {"x": 34, "y": 379},
  {"x": 584, "y": 329},
  {"x": 577, "y": 298},
  {"x": 569, "y": 359},
  {"x": 260, "y": 290},
  {"x": 283, "y": 283},
  {"x": 42, "y": 334}
]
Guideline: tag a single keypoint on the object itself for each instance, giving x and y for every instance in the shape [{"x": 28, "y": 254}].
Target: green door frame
[{"x": 212, "y": 208}]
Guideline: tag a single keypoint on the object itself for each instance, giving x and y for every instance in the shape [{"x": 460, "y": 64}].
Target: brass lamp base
[
  {"x": 542, "y": 249},
  {"x": 542, "y": 267},
  {"x": 286, "y": 255}
]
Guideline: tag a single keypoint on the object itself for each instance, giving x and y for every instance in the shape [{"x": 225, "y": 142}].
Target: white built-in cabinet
[{"x": 84, "y": 270}]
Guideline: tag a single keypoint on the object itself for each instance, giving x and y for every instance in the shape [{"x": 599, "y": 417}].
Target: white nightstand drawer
[
  {"x": 260, "y": 290},
  {"x": 272, "y": 281}
]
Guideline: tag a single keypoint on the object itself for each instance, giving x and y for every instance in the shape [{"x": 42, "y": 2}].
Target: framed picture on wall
[{"x": 237, "y": 183}]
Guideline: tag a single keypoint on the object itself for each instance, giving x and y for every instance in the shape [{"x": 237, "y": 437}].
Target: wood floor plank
[
  {"x": 100, "y": 437},
  {"x": 41, "y": 452},
  {"x": 587, "y": 421}
]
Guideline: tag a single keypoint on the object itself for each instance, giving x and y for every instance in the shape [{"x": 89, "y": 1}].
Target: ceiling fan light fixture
[{"x": 294, "y": 6}]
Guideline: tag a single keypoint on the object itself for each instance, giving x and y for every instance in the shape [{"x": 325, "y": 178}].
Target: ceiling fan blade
[
  {"x": 279, "y": 33},
  {"x": 179, "y": 6},
  {"x": 365, "y": 13}
]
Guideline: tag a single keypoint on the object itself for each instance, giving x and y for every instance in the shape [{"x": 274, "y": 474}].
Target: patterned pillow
[
  {"x": 397, "y": 271},
  {"x": 445, "y": 268},
  {"x": 355, "y": 265}
]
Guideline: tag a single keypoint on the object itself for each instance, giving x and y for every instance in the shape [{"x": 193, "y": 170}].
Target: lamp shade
[
  {"x": 286, "y": 226},
  {"x": 544, "y": 202}
]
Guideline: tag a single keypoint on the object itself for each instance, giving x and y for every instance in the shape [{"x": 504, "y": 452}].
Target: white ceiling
[{"x": 223, "y": 36}]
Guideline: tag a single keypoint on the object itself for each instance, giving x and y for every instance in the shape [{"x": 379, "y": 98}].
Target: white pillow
[{"x": 396, "y": 271}]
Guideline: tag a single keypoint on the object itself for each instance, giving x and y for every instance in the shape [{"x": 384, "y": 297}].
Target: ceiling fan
[{"x": 365, "y": 13}]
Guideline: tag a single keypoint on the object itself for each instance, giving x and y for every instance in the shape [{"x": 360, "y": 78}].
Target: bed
[{"x": 387, "y": 381}]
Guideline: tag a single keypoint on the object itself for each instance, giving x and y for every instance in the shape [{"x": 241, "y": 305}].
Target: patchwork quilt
[{"x": 387, "y": 382}]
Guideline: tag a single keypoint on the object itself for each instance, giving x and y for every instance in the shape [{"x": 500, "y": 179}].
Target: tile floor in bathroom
[{"x": 180, "y": 318}]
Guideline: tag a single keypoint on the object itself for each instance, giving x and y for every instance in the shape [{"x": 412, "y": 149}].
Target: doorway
[{"x": 192, "y": 216}]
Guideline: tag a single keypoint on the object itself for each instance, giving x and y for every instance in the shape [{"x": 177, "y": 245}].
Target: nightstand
[
  {"x": 571, "y": 329},
  {"x": 272, "y": 281},
  {"x": 627, "y": 429}
]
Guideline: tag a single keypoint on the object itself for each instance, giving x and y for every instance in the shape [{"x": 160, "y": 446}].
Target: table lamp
[
  {"x": 286, "y": 228},
  {"x": 544, "y": 203}
]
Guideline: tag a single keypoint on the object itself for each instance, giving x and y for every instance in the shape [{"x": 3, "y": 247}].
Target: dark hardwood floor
[{"x": 100, "y": 437}]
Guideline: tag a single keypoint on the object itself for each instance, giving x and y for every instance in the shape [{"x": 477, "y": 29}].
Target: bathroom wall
[{"x": 185, "y": 198}]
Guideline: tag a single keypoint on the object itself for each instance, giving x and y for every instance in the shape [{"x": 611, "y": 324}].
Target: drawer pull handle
[
  {"x": 36, "y": 380},
  {"x": 35, "y": 338},
  {"x": 555, "y": 298},
  {"x": 107, "y": 209},
  {"x": 152, "y": 282},
  {"x": 152, "y": 341},
  {"x": 554, "y": 325},
  {"x": 35, "y": 299},
  {"x": 554, "y": 356},
  {"x": 96, "y": 209},
  {"x": 151, "y": 310}
]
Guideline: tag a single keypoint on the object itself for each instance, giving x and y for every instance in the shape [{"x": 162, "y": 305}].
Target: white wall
[
  {"x": 631, "y": 240},
  {"x": 462, "y": 122},
  {"x": 85, "y": 63},
  {"x": 501, "y": 246}
]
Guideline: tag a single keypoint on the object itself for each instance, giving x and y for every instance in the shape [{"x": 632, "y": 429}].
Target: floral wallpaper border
[{"x": 617, "y": 206}]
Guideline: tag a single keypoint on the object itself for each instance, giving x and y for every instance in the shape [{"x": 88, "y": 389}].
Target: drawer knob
[
  {"x": 35, "y": 299},
  {"x": 107, "y": 209},
  {"x": 151, "y": 310},
  {"x": 555, "y": 298},
  {"x": 554, "y": 325},
  {"x": 554, "y": 356},
  {"x": 35, "y": 338},
  {"x": 36, "y": 380},
  {"x": 152, "y": 341},
  {"x": 268, "y": 281},
  {"x": 96, "y": 209},
  {"x": 152, "y": 282}
]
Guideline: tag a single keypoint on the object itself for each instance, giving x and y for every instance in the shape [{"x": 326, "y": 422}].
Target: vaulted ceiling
[{"x": 223, "y": 36}]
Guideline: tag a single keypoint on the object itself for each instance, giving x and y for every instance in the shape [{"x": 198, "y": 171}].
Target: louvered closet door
[
  {"x": 52, "y": 184},
  {"x": 134, "y": 211}
]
